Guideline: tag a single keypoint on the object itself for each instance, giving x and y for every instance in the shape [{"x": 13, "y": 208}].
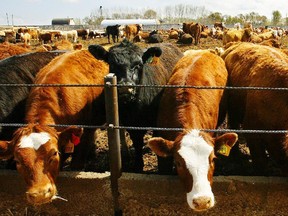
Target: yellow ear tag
[
  {"x": 69, "y": 148},
  {"x": 155, "y": 60},
  {"x": 224, "y": 150}
]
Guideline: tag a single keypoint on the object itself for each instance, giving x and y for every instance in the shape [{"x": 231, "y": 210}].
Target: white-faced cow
[
  {"x": 36, "y": 147},
  {"x": 138, "y": 106},
  {"x": 193, "y": 109},
  {"x": 18, "y": 69},
  {"x": 253, "y": 65}
]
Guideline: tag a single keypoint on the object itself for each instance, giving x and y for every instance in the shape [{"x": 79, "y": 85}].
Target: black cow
[
  {"x": 19, "y": 69},
  {"x": 154, "y": 37},
  {"x": 114, "y": 32},
  {"x": 133, "y": 66}
]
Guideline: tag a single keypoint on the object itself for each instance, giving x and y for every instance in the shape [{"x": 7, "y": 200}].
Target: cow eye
[{"x": 53, "y": 156}]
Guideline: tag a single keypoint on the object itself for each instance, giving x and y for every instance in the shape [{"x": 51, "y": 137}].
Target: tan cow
[
  {"x": 235, "y": 35},
  {"x": 253, "y": 65},
  {"x": 193, "y": 109},
  {"x": 132, "y": 30},
  {"x": 10, "y": 49}
]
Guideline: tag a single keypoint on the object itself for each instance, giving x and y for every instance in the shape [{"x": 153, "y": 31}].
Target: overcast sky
[{"x": 41, "y": 12}]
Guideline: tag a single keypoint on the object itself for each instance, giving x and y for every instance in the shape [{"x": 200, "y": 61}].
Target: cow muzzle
[
  {"x": 127, "y": 91},
  {"x": 41, "y": 195},
  {"x": 202, "y": 203}
]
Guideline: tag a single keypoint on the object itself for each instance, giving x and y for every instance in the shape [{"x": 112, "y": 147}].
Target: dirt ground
[{"x": 172, "y": 204}]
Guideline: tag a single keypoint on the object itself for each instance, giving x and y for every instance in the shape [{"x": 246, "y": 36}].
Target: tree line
[{"x": 182, "y": 13}]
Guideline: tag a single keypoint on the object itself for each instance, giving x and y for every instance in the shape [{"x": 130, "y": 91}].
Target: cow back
[
  {"x": 48, "y": 105},
  {"x": 19, "y": 69},
  {"x": 255, "y": 65},
  {"x": 190, "y": 107}
]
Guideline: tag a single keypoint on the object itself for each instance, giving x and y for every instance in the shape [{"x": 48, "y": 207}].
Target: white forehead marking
[
  {"x": 195, "y": 151},
  {"x": 34, "y": 140}
]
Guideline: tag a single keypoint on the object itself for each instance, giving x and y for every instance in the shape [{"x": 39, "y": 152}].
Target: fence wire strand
[
  {"x": 104, "y": 127},
  {"x": 149, "y": 86},
  {"x": 145, "y": 86}
]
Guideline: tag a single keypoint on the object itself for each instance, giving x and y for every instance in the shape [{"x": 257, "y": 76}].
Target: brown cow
[
  {"x": 194, "y": 29},
  {"x": 45, "y": 37},
  {"x": 83, "y": 33},
  {"x": 173, "y": 34},
  {"x": 256, "y": 65},
  {"x": 193, "y": 109},
  {"x": 8, "y": 49},
  {"x": 132, "y": 30},
  {"x": 36, "y": 147}
]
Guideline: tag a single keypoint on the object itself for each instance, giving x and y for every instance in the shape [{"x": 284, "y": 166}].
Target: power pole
[
  {"x": 7, "y": 18},
  {"x": 101, "y": 11}
]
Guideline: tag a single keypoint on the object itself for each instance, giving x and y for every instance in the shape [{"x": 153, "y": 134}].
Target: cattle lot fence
[{"x": 233, "y": 184}]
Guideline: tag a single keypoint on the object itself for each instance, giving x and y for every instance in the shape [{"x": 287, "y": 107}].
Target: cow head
[
  {"x": 126, "y": 61},
  {"x": 36, "y": 152},
  {"x": 193, "y": 154}
]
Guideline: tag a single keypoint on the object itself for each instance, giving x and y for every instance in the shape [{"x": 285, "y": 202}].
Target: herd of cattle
[
  {"x": 40, "y": 147},
  {"x": 193, "y": 32}
]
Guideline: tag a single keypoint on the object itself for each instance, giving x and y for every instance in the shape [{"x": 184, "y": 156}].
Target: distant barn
[{"x": 63, "y": 21}]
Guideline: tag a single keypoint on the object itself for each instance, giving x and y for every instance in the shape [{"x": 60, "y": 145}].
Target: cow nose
[
  {"x": 41, "y": 195},
  {"x": 202, "y": 203},
  {"x": 127, "y": 88}
]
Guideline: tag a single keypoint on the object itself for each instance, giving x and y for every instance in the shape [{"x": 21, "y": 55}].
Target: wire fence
[{"x": 127, "y": 127}]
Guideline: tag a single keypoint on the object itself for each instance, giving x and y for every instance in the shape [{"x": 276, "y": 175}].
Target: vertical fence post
[{"x": 112, "y": 119}]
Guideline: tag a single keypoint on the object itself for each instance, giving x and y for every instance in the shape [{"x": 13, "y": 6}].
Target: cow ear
[
  {"x": 6, "y": 149},
  {"x": 152, "y": 55},
  {"x": 224, "y": 143},
  {"x": 98, "y": 52},
  {"x": 69, "y": 138},
  {"x": 160, "y": 146}
]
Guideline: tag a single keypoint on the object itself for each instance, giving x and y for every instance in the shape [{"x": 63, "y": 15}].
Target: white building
[{"x": 111, "y": 22}]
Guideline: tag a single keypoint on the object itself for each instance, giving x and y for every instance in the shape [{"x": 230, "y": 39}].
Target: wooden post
[{"x": 112, "y": 119}]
